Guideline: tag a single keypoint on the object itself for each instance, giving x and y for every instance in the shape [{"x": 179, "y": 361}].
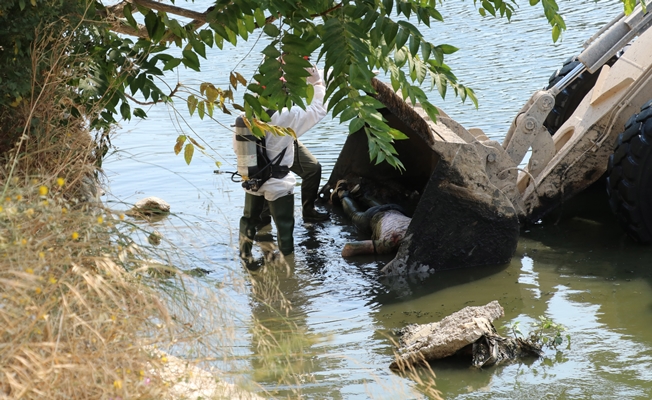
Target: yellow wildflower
[
  {"x": 45, "y": 202},
  {"x": 122, "y": 217},
  {"x": 38, "y": 290},
  {"x": 29, "y": 271},
  {"x": 75, "y": 236},
  {"x": 19, "y": 197},
  {"x": 30, "y": 212},
  {"x": 100, "y": 219},
  {"x": 34, "y": 181},
  {"x": 164, "y": 359},
  {"x": 43, "y": 190},
  {"x": 60, "y": 181},
  {"x": 1, "y": 208},
  {"x": 117, "y": 384},
  {"x": 41, "y": 255},
  {"x": 23, "y": 241},
  {"x": 52, "y": 280},
  {"x": 64, "y": 210}
]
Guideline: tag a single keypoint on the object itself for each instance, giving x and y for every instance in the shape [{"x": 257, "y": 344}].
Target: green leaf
[
  {"x": 556, "y": 31},
  {"x": 253, "y": 102},
  {"x": 489, "y": 7},
  {"x": 310, "y": 93},
  {"x": 391, "y": 31},
  {"x": 271, "y": 30},
  {"x": 341, "y": 106},
  {"x": 380, "y": 158},
  {"x": 425, "y": 50},
  {"x": 387, "y": 4},
  {"x": 140, "y": 113},
  {"x": 190, "y": 59},
  {"x": 400, "y": 57},
  {"x": 249, "y": 23},
  {"x": 271, "y": 51},
  {"x": 207, "y": 37},
  {"x": 629, "y": 6},
  {"x": 125, "y": 110},
  {"x": 192, "y": 103},
  {"x": 199, "y": 47},
  {"x": 129, "y": 16},
  {"x": 430, "y": 110},
  {"x": 188, "y": 152},
  {"x": 201, "y": 110},
  {"x": 172, "y": 64},
  {"x": 447, "y": 48},
  {"x": 414, "y": 45},
  {"x": 402, "y": 37},
  {"x": 355, "y": 125},
  {"x": 259, "y": 16},
  {"x": 151, "y": 22},
  {"x": 210, "y": 107},
  {"x": 348, "y": 114},
  {"x": 232, "y": 37}
]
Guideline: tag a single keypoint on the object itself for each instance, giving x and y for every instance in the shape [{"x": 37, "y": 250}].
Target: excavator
[{"x": 468, "y": 195}]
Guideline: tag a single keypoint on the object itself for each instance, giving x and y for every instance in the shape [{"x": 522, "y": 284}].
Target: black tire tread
[
  {"x": 629, "y": 177},
  {"x": 568, "y": 99}
]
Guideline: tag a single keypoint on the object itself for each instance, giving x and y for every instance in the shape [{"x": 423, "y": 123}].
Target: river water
[{"x": 578, "y": 269}]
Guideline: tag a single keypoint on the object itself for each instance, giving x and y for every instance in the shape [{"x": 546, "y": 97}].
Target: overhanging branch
[{"x": 119, "y": 25}]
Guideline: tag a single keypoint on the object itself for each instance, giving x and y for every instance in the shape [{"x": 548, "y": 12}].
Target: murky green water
[{"x": 579, "y": 270}]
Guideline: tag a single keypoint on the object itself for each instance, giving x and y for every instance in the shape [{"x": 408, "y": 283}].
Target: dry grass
[
  {"x": 76, "y": 314},
  {"x": 81, "y": 311}
]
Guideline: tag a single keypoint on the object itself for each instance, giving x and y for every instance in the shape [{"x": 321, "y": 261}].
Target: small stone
[
  {"x": 154, "y": 238},
  {"x": 151, "y": 206}
]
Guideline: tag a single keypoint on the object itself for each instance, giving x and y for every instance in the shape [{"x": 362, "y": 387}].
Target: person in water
[
  {"x": 387, "y": 223},
  {"x": 278, "y": 191}
]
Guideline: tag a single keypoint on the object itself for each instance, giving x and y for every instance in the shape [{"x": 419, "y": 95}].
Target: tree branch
[
  {"x": 198, "y": 18},
  {"x": 149, "y": 103},
  {"x": 182, "y": 12}
]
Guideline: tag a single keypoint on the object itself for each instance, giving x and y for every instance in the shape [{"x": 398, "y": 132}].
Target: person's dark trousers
[
  {"x": 309, "y": 169},
  {"x": 282, "y": 210},
  {"x": 250, "y": 219}
]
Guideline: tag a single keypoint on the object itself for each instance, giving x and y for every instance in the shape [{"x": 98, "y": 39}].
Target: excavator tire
[
  {"x": 629, "y": 176},
  {"x": 568, "y": 99}
]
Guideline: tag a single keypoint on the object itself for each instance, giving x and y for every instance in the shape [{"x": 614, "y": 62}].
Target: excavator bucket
[{"x": 460, "y": 218}]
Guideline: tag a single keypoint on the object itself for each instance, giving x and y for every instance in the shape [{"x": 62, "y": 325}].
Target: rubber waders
[
  {"x": 250, "y": 218},
  {"x": 282, "y": 210}
]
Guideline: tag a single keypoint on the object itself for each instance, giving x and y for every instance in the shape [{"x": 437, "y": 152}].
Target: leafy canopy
[{"x": 353, "y": 38}]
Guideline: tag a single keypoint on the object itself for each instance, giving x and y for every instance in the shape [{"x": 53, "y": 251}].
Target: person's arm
[{"x": 302, "y": 120}]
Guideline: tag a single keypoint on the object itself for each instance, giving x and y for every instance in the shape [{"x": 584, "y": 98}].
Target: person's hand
[{"x": 315, "y": 77}]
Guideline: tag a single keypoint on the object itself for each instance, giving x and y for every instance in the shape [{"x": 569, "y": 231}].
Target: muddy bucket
[{"x": 460, "y": 218}]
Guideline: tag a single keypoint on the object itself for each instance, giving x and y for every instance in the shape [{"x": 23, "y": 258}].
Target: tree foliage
[{"x": 352, "y": 38}]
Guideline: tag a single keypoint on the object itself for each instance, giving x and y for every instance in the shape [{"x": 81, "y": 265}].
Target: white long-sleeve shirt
[{"x": 300, "y": 121}]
